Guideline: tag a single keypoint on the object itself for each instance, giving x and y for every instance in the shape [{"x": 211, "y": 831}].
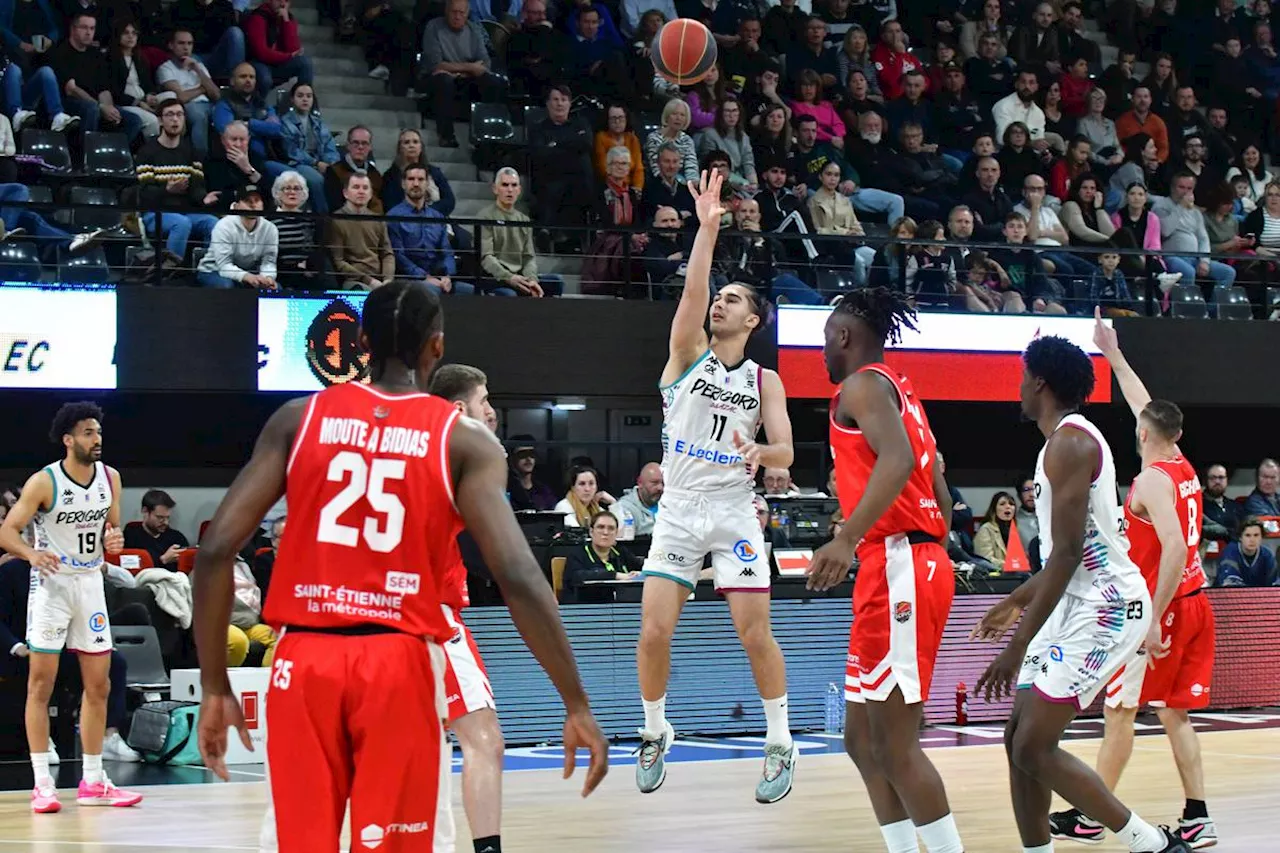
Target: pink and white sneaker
[
  {"x": 105, "y": 793},
  {"x": 45, "y": 800}
]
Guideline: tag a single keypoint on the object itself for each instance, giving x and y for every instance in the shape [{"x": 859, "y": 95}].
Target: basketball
[{"x": 683, "y": 51}]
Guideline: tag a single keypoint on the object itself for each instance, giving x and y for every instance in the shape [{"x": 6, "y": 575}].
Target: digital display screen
[
  {"x": 309, "y": 343},
  {"x": 57, "y": 337},
  {"x": 962, "y": 357}
]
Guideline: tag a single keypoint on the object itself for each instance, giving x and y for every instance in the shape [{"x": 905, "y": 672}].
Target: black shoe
[
  {"x": 1172, "y": 843},
  {"x": 1072, "y": 825},
  {"x": 449, "y": 141}
]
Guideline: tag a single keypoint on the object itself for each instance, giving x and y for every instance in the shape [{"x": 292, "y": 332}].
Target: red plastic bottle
[{"x": 962, "y": 704}]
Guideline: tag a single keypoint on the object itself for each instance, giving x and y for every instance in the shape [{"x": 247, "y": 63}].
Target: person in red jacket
[
  {"x": 892, "y": 60},
  {"x": 274, "y": 48},
  {"x": 1076, "y": 87}
]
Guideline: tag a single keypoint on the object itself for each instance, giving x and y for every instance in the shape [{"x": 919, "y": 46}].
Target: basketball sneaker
[
  {"x": 44, "y": 800},
  {"x": 779, "y": 767},
  {"x": 1198, "y": 833},
  {"x": 1072, "y": 825},
  {"x": 651, "y": 766},
  {"x": 105, "y": 793},
  {"x": 1172, "y": 843}
]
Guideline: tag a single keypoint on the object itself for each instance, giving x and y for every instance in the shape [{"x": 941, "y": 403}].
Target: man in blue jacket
[
  {"x": 266, "y": 134},
  {"x": 1264, "y": 500},
  {"x": 422, "y": 247}
]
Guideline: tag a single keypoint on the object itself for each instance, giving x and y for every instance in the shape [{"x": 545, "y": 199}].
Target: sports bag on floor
[{"x": 165, "y": 732}]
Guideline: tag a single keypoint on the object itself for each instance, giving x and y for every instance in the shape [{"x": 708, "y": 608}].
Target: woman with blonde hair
[
  {"x": 675, "y": 120},
  {"x": 584, "y": 498}
]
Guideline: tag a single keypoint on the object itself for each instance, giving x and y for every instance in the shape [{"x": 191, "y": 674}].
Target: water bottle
[
  {"x": 835, "y": 709},
  {"x": 784, "y": 521},
  {"x": 962, "y": 704},
  {"x": 627, "y": 529},
  {"x": 774, "y": 520}
]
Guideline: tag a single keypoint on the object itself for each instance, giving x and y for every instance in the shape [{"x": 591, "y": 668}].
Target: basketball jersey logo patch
[
  {"x": 902, "y": 611},
  {"x": 98, "y": 622},
  {"x": 743, "y": 550}
]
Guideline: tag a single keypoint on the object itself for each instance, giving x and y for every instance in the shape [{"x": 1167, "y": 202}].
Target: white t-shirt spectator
[
  {"x": 1049, "y": 222},
  {"x": 169, "y": 72},
  {"x": 1009, "y": 109}
]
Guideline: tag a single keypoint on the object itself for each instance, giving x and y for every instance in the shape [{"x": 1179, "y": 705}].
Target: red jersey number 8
[{"x": 368, "y": 481}]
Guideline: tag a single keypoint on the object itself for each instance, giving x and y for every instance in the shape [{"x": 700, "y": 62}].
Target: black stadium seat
[
  {"x": 1232, "y": 303},
  {"x": 19, "y": 261},
  {"x": 106, "y": 155},
  {"x": 50, "y": 147},
  {"x": 493, "y": 136},
  {"x": 1187, "y": 301},
  {"x": 85, "y": 219},
  {"x": 89, "y": 267}
]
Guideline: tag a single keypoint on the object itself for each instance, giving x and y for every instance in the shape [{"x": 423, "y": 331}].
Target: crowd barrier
[{"x": 712, "y": 691}]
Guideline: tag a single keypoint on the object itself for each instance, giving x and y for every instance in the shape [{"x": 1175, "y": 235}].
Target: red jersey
[
  {"x": 1144, "y": 545},
  {"x": 372, "y": 526},
  {"x": 916, "y": 507},
  {"x": 453, "y": 588}
]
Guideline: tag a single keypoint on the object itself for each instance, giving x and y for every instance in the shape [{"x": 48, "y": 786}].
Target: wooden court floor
[{"x": 705, "y": 807}]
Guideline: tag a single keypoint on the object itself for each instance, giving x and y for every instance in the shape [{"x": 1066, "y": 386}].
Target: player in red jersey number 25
[
  {"x": 379, "y": 480},
  {"x": 899, "y": 510}
]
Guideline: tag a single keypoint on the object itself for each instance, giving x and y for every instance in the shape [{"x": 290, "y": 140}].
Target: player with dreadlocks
[
  {"x": 1086, "y": 613},
  {"x": 899, "y": 511},
  {"x": 379, "y": 479}
]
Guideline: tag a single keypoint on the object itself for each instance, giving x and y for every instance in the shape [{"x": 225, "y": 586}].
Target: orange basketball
[{"x": 683, "y": 51}]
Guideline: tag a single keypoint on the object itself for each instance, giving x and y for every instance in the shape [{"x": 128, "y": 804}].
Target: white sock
[
  {"x": 775, "y": 716},
  {"x": 92, "y": 768},
  {"x": 40, "y": 767},
  {"x": 900, "y": 837},
  {"x": 1141, "y": 836},
  {"x": 941, "y": 836},
  {"x": 1042, "y": 848},
  {"x": 655, "y": 716}
]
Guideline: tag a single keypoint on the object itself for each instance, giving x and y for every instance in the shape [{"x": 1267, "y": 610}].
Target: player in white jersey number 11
[
  {"x": 714, "y": 400},
  {"x": 73, "y": 507}
]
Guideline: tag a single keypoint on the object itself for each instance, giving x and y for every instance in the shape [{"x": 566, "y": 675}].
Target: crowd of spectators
[{"x": 836, "y": 128}]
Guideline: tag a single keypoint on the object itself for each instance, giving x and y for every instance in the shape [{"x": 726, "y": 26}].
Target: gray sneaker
[
  {"x": 651, "y": 766},
  {"x": 779, "y": 767}
]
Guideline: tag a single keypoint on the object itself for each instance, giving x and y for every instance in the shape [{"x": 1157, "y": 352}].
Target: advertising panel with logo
[
  {"x": 962, "y": 357},
  {"x": 57, "y": 338},
  {"x": 305, "y": 344}
]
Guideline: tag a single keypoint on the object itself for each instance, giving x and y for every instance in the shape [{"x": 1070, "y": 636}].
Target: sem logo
[
  {"x": 333, "y": 345},
  {"x": 403, "y": 583},
  {"x": 902, "y": 611},
  {"x": 742, "y": 548},
  {"x": 98, "y": 622},
  {"x": 1055, "y": 654}
]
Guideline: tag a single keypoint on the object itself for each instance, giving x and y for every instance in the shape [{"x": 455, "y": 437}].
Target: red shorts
[
  {"x": 1181, "y": 678},
  {"x": 350, "y": 718},
  {"x": 901, "y": 600},
  {"x": 466, "y": 683}
]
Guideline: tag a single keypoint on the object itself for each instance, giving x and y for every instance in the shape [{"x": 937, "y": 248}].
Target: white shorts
[
  {"x": 1081, "y": 646},
  {"x": 1124, "y": 690},
  {"x": 466, "y": 683},
  {"x": 68, "y": 609},
  {"x": 691, "y": 525}
]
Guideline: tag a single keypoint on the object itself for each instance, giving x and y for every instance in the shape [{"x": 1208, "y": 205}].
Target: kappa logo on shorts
[
  {"x": 747, "y": 573},
  {"x": 98, "y": 622},
  {"x": 743, "y": 550},
  {"x": 1055, "y": 654},
  {"x": 902, "y": 611}
]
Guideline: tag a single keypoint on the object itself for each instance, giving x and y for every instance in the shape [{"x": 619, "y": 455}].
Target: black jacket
[
  {"x": 584, "y": 564},
  {"x": 991, "y": 211},
  {"x": 119, "y": 71}
]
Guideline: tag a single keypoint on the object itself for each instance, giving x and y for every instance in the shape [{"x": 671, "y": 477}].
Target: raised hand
[
  {"x": 706, "y": 196},
  {"x": 1104, "y": 336}
]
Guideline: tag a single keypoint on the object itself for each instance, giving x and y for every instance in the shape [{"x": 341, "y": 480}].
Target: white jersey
[
  {"x": 1105, "y": 574},
  {"x": 701, "y": 411},
  {"x": 73, "y": 527}
]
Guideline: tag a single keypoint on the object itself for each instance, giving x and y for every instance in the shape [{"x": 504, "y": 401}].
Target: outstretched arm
[
  {"x": 480, "y": 472},
  {"x": 1135, "y": 393},
  {"x": 256, "y": 488},
  {"x": 867, "y": 399},
  {"x": 688, "y": 340}
]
